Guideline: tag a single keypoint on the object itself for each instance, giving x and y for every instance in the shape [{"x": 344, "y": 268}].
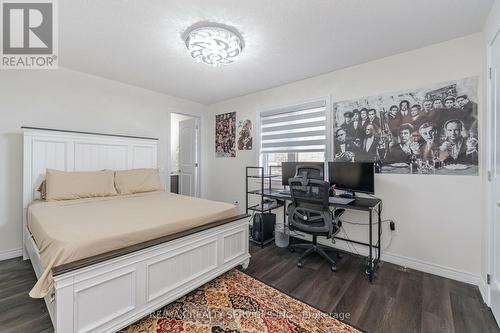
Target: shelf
[
  {"x": 266, "y": 180},
  {"x": 274, "y": 194},
  {"x": 266, "y": 191},
  {"x": 264, "y": 176},
  {"x": 258, "y": 208}
]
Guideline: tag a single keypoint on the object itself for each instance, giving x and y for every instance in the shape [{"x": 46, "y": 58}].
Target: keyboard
[
  {"x": 340, "y": 201},
  {"x": 285, "y": 192}
]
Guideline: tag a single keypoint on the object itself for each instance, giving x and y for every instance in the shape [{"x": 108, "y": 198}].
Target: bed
[{"x": 99, "y": 269}]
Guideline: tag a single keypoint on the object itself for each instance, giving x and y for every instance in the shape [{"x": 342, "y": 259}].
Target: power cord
[
  {"x": 388, "y": 244},
  {"x": 349, "y": 245},
  {"x": 251, "y": 217},
  {"x": 353, "y": 248}
]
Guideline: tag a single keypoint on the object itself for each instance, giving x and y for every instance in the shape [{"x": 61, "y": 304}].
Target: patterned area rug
[{"x": 237, "y": 303}]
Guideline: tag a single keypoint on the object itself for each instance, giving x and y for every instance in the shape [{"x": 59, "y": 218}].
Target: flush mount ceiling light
[{"x": 213, "y": 44}]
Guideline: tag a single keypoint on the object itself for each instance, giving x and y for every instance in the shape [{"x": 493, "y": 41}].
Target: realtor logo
[{"x": 29, "y": 35}]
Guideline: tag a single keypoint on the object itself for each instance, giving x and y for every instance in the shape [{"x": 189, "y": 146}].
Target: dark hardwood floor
[
  {"x": 398, "y": 301},
  {"x": 18, "y": 312}
]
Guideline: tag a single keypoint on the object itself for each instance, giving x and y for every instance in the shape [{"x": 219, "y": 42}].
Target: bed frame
[{"x": 107, "y": 292}]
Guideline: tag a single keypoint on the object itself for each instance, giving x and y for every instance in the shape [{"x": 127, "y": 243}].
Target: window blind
[{"x": 301, "y": 128}]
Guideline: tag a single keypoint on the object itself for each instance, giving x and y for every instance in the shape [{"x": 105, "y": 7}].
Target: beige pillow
[
  {"x": 62, "y": 185},
  {"x": 43, "y": 190},
  {"x": 137, "y": 181}
]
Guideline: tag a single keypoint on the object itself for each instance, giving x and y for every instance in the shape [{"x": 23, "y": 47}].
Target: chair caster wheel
[
  {"x": 291, "y": 249},
  {"x": 333, "y": 268},
  {"x": 300, "y": 265}
]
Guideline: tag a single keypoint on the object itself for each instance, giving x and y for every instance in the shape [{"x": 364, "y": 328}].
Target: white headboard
[{"x": 76, "y": 151}]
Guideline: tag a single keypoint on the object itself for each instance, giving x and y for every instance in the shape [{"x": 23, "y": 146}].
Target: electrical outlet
[{"x": 392, "y": 225}]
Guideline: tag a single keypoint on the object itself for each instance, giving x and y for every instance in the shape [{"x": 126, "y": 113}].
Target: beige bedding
[{"x": 66, "y": 231}]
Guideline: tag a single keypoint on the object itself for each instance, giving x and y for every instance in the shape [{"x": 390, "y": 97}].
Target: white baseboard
[
  {"x": 9, "y": 254},
  {"x": 444, "y": 271},
  {"x": 412, "y": 263},
  {"x": 484, "y": 290}
]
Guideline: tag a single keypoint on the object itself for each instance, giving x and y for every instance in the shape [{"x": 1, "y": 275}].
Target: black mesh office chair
[
  {"x": 309, "y": 171},
  {"x": 309, "y": 213}
]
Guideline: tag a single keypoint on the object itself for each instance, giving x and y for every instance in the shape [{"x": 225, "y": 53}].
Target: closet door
[{"x": 188, "y": 163}]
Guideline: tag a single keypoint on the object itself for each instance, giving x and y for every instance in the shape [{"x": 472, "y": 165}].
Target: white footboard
[{"x": 108, "y": 296}]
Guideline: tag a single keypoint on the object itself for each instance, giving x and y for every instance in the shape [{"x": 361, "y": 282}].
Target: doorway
[{"x": 185, "y": 154}]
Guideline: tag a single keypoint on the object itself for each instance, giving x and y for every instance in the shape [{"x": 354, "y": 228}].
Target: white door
[
  {"x": 495, "y": 179},
  {"x": 188, "y": 157}
]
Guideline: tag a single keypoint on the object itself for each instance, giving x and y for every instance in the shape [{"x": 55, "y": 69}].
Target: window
[{"x": 293, "y": 134}]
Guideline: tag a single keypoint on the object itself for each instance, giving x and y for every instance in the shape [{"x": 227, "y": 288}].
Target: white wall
[
  {"x": 438, "y": 218},
  {"x": 492, "y": 22},
  {"x": 65, "y": 99}
]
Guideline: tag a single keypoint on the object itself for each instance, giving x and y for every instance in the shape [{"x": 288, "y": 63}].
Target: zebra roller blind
[{"x": 300, "y": 128}]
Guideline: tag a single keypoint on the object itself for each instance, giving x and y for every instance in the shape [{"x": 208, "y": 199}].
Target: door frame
[
  {"x": 489, "y": 168},
  {"x": 199, "y": 149}
]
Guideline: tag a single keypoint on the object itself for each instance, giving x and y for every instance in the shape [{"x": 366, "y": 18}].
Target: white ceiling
[{"x": 139, "y": 42}]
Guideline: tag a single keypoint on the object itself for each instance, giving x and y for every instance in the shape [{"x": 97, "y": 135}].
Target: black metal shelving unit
[{"x": 258, "y": 173}]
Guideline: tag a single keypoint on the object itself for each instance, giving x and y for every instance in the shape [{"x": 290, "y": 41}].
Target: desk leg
[
  {"x": 262, "y": 231},
  {"x": 370, "y": 258},
  {"x": 379, "y": 234},
  {"x": 285, "y": 225},
  {"x": 284, "y": 213}
]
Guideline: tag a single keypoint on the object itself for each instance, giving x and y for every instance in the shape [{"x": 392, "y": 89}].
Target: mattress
[{"x": 70, "y": 230}]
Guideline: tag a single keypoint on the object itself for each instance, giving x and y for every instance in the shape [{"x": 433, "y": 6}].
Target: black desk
[{"x": 368, "y": 205}]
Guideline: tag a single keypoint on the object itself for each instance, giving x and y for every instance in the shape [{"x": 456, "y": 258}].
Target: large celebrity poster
[
  {"x": 225, "y": 135},
  {"x": 433, "y": 130}
]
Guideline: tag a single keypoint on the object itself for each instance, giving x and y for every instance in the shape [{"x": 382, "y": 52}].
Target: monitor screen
[
  {"x": 352, "y": 176},
  {"x": 288, "y": 169}
]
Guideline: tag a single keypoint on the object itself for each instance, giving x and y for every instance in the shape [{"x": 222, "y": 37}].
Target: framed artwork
[
  {"x": 245, "y": 139},
  {"x": 225, "y": 135},
  {"x": 432, "y": 130}
]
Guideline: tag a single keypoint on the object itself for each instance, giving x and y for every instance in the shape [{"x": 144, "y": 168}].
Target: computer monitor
[
  {"x": 352, "y": 176},
  {"x": 288, "y": 169}
]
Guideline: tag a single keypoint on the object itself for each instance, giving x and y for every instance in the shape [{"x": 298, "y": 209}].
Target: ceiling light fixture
[{"x": 213, "y": 44}]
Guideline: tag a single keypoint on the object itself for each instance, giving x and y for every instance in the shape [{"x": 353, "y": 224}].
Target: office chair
[
  {"x": 309, "y": 213},
  {"x": 309, "y": 171}
]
